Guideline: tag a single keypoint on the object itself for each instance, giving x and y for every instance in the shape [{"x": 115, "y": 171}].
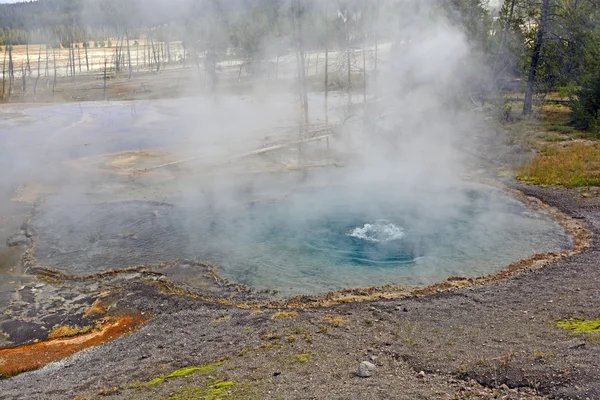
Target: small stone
[
  {"x": 365, "y": 369},
  {"x": 421, "y": 374},
  {"x": 372, "y": 358},
  {"x": 577, "y": 345}
]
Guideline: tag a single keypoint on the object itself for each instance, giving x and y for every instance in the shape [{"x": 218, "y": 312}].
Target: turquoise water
[{"x": 310, "y": 241}]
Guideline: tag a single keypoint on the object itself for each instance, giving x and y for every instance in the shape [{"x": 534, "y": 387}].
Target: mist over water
[
  {"x": 340, "y": 241},
  {"x": 396, "y": 208}
]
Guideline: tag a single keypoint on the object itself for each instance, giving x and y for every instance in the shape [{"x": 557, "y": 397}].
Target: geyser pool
[{"x": 310, "y": 241}]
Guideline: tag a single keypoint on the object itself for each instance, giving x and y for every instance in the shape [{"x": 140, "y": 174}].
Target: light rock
[{"x": 365, "y": 369}]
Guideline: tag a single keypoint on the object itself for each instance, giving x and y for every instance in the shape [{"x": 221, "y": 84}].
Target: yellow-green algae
[
  {"x": 215, "y": 391},
  {"x": 300, "y": 358},
  {"x": 581, "y": 326},
  {"x": 284, "y": 314},
  {"x": 183, "y": 372}
]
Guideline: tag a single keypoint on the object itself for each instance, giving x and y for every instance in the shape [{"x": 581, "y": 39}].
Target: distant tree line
[{"x": 553, "y": 45}]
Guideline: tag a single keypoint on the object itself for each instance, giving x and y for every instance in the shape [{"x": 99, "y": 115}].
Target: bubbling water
[{"x": 380, "y": 232}]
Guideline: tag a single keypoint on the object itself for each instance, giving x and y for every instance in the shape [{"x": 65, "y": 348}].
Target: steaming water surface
[{"x": 311, "y": 241}]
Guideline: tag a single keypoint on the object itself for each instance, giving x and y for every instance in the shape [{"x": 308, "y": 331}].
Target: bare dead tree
[
  {"x": 47, "y": 71},
  {"x": 39, "y": 73},
  {"x": 39, "y": 60},
  {"x": 4, "y": 76},
  {"x": 11, "y": 70},
  {"x": 28, "y": 68},
  {"x": 376, "y": 57},
  {"x": 68, "y": 66},
  {"x": 155, "y": 55},
  {"x": 54, "y": 82},
  {"x": 117, "y": 66},
  {"x": 149, "y": 58},
  {"x": 24, "y": 79},
  {"x": 105, "y": 77},
  {"x": 128, "y": 54},
  {"x": 364, "y": 55},
  {"x": 79, "y": 57},
  {"x": 500, "y": 55},
  {"x": 349, "y": 67},
  {"x": 72, "y": 39},
  {"x": 327, "y": 65},
  {"x": 168, "y": 46},
  {"x": 301, "y": 61},
  {"x": 86, "y": 44}
]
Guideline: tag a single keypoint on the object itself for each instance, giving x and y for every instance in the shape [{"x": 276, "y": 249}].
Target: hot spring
[{"x": 309, "y": 241}]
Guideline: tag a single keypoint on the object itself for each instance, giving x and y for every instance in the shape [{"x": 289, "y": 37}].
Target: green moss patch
[
  {"x": 581, "y": 326},
  {"x": 300, "y": 358},
  {"x": 183, "y": 372},
  {"x": 216, "y": 390}
]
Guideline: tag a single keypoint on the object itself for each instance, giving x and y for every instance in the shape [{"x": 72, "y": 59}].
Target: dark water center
[{"x": 310, "y": 241}]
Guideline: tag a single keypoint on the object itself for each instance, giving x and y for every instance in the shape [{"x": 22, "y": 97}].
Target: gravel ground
[{"x": 495, "y": 341}]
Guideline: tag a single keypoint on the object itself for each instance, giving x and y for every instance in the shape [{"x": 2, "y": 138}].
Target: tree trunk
[
  {"x": 364, "y": 56},
  {"x": 4, "y": 76},
  {"x": 54, "y": 82},
  {"x": 68, "y": 66},
  {"x": 376, "y": 66},
  {"x": 156, "y": 56},
  {"x": 28, "y": 68},
  {"x": 71, "y": 40},
  {"x": 128, "y": 54},
  {"x": 117, "y": 61},
  {"x": 169, "y": 51},
  {"x": 349, "y": 66},
  {"x": 39, "y": 61},
  {"x": 500, "y": 54},
  {"x": 47, "y": 69},
  {"x": 535, "y": 58},
  {"x": 24, "y": 80},
  {"x": 11, "y": 70},
  {"x": 79, "y": 57},
  {"x": 39, "y": 73},
  {"x": 326, "y": 65},
  {"x": 303, "y": 82},
  {"x": 87, "y": 60},
  {"x": 105, "y": 77}
]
